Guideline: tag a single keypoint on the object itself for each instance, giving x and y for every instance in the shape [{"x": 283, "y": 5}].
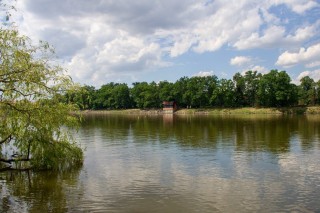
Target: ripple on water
[{"x": 193, "y": 165}]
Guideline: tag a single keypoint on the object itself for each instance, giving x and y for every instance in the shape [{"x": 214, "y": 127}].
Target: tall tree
[
  {"x": 181, "y": 93},
  {"x": 317, "y": 88},
  {"x": 223, "y": 95},
  {"x": 31, "y": 115},
  {"x": 307, "y": 91},
  {"x": 166, "y": 91},
  {"x": 275, "y": 90},
  {"x": 252, "y": 79},
  {"x": 146, "y": 95},
  {"x": 121, "y": 96},
  {"x": 240, "y": 90}
]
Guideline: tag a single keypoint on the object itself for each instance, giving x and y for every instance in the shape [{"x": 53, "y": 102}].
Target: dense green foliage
[
  {"x": 251, "y": 89},
  {"x": 32, "y": 117}
]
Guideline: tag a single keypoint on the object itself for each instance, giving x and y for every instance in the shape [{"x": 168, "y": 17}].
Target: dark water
[{"x": 180, "y": 164}]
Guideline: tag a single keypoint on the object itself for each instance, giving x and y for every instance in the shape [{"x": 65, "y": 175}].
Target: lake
[{"x": 176, "y": 163}]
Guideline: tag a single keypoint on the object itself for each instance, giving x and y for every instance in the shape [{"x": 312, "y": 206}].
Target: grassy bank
[
  {"x": 123, "y": 112},
  {"x": 251, "y": 110},
  {"x": 245, "y": 110}
]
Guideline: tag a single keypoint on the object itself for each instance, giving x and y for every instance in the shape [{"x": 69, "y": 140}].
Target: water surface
[{"x": 180, "y": 164}]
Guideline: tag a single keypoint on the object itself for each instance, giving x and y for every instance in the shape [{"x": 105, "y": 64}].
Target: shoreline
[{"x": 214, "y": 111}]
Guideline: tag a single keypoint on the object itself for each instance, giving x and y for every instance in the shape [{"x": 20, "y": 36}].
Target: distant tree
[
  {"x": 307, "y": 91},
  {"x": 223, "y": 95},
  {"x": 137, "y": 93},
  {"x": 166, "y": 91},
  {"x": 210, "y": 85},
  {"x": 83, "y": 97},
  {"x": 252, "y": 79},
  {"x": 275, "y": 90},
  {"x": 196, "y": 90},
  {"x": 121, "y": 96},
  {"x": 317, "y": 88},
  {"x": 244, "y": 90},
  {"x": 146, "y": 95},
  {"x": 181, "y": 93},
  {"x": 103, "y": 96},
  {"x": 112, "y": 96},
  {"x": 88, "y": 96},
  {"x": 246, "y": 87},
  {"x": 201, "y": 89},
  {"x": 239, "y": 90}
]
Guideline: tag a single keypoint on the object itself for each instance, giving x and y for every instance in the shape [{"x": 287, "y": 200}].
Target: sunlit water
[{"x": 180, "y": 164}]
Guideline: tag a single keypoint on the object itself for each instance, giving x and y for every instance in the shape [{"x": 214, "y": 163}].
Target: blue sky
[{"x": 127, "y": 41}]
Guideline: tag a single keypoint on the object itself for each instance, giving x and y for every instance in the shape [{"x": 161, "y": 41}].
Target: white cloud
[
  {"x": 259, "y": 69},
  {"x": 315, "y": 75},
  {"x": 246, "y": 64},
  {"x": 121, "y": 57},
  {"x": 309, "y": 55},
  {"x": 111, "y": 40},
  {"x": 298, "y": 6},
  {"x": 268, "y": 17},
  {"x": 182, "y": 45},
  {"x": 224, "y": 26},
  {"x": 204, "y": 73},
  {"x": 313, "y": 64},
  {"x": 276, "y": 36},
  {"x": 240, "y": 60}
]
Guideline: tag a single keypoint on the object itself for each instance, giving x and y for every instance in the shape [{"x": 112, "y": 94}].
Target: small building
[{"x": 169, "y": 107}]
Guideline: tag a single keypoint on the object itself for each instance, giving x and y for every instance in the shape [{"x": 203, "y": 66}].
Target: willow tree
[{"x": 34, "y": 125}]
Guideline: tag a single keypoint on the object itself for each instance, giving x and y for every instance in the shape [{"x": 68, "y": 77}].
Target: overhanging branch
[
  {"x": 6, "y": 139},
  {"x": 13, "y": 160}
]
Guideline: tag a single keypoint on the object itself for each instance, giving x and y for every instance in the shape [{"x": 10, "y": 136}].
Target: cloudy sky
[{"x": 101, "y": 41}]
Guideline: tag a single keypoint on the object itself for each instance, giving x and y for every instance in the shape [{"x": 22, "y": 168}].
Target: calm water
[{"x": 180, "y": 164}]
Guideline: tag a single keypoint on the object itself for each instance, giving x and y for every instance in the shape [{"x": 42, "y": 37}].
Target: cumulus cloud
[
  {"x": 123, "y": 56},
  {"x": 298, "y": 6},
  {"x": 224, "y": 27},
  {"x": 276, "y": 36},
  {"x": 204, "y": 73},
  {"x": 246, "y": 63},
  {"x": 240, "y": 60},
  {"x": 309, "y": 55},
  {"x": 313, "y": 64},
  {"x": 258, "y": 68},
  {"x": 315, "y": 75},
  {"x": 141, "y": 16},
  {"x": 108, "y": 40}
]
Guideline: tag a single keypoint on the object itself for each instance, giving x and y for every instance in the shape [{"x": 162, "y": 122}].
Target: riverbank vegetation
[
  {"x": 251, "y": 89},
  {"x": 298, "y": 110},
  {"x": 33, "y": 121}
]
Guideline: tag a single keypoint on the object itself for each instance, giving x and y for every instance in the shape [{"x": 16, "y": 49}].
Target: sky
[{"x": 122, "y": 41}]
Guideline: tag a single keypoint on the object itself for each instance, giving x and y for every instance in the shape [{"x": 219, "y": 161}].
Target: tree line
[{"x": 251, "y": 89}]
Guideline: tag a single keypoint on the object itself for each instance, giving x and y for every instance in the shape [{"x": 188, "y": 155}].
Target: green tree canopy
[
  {"x": 31, "y": 115},
  {"x": 276, "y": 90},
  {"x": 307, "y": 91}
]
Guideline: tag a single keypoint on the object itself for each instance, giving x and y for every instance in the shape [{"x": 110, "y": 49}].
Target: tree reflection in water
[
  {"x": 180, "y": 164},
  {"x": 270, "y": 133},
  {"x": 45, "y": 191}
]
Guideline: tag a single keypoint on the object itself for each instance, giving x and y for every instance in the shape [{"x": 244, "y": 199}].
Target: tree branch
[
  {"x": 5, "y": 140},
  {"x": 9, "y": 168},
  {"x": 13, "y": 160},
  {"x": 18, "y": 109}
]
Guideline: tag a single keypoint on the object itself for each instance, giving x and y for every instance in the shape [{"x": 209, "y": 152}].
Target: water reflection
[
  {"x": 272, "y": 133},
  {"x": 38, "y": 191},
  {"x": 181, "y": 164},
  {"x": 203, "y": 164}
]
